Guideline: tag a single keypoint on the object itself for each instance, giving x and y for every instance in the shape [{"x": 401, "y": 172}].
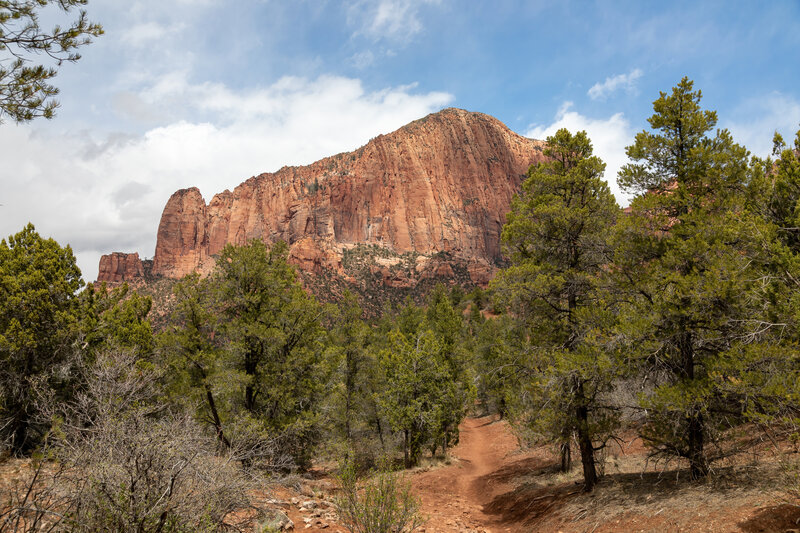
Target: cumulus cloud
[
  {"x": 625, "y": 82},
  {"x": 396, "y": 20},
  {"x": 759, "y": 118},
  {"x": 609, "y": 138},
  {"x": 105, "y": 193}
]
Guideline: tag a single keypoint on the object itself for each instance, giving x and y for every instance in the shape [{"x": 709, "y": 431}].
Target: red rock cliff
[
  {"x": 118, "y": 267},
  {"x": 440, "y": 184}
]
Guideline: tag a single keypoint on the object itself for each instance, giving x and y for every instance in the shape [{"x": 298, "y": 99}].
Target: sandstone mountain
[{"x": 427, "y": 201}]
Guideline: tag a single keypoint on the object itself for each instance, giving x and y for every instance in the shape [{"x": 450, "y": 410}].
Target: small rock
[{"x": 309, "y": 504}]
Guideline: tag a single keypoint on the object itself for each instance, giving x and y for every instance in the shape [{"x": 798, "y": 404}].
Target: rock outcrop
[
  {"x": 118, "y": 267},
  {"x": 439, "y": 185}
]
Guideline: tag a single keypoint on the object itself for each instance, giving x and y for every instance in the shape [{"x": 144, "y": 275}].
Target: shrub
[
  {"x": 119, "y": 460},
  {"x": 384, "y": 504}
]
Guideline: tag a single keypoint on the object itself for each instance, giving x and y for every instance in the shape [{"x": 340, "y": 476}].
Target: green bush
[{"x": 383, "y": 504}]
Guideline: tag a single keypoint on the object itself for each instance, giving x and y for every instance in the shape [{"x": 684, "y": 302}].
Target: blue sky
[{"x": 210, "y": 92}]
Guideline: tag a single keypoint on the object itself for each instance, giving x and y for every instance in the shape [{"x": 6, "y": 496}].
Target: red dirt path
[
  {"x": 455, "y": 498},
  {"x": 494, "y": 487}
]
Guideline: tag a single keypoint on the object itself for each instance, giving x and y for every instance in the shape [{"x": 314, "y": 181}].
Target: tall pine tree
[
  {"x": 557, "y": 239},
  {"x": 684, "y": 256}
]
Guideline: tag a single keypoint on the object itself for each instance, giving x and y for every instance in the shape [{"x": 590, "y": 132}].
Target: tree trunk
[
  {"x": 585, "y": 441},
  {"x": 250, "y": 366},
  {"x": 566, "y": 456},
  {"x": 347, "y": 430},
  {"x": 698, "y": 463},
  {"x": 379, "y": 430},
  {"x": 212, "y": 406},
  {"x": 406, "y": 454},
  {"x": 19, "y": 434}
]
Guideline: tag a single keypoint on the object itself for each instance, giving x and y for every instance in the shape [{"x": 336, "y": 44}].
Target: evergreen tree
[
  {"x": 417, "y": 387},
  {"x": 444, "y": 320},
  {"x": 685, "y": 257},
  {"x": 556, "y": 238},
  {"x": 25, "y": 91},
  {"x": 197, "y": 363},
  {"x": 275, "y": 339},
  {"x": 356, "y": 385},
  {"x": 115, "y": 318},
  {"x": 39, "y": 311},
  {"x": 772, "y": 368},
  {"x": 501, "y": 346}
]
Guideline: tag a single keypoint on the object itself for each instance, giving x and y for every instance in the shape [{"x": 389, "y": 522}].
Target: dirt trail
[
  {"x": 494, "y": 487},
  {"x": 453, "y": 497}
]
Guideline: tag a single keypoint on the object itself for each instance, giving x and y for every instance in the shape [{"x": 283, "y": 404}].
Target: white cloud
[
  {"x": 626, "y": 82},
  {"x": 759, "y": 118},
  {"x": 103, "y": 194},
  {"x": 397, "y": 20},
  {"x": 609, "y": 138},
  {"x": 362, "y": 60},
  {"x": 146, "y": 33}
]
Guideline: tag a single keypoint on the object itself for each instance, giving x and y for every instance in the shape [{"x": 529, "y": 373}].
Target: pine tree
[
  {"x": 25, "y": 91},
  {"x": 556, "y": 238},
  {"x": 772, "y": 368},
  {"x": 685, "y": 259}
]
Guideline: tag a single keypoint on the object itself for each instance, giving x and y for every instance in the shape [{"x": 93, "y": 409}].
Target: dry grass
[{"x": 742, "y": 494}]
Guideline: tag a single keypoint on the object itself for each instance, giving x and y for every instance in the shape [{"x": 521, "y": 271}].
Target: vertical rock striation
[{"x": 439, "y": 185}]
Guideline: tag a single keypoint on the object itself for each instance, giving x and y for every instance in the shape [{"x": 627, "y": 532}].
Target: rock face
[
  {"x": 440, "y": 185},
  {"x": 118, "y": 267}
]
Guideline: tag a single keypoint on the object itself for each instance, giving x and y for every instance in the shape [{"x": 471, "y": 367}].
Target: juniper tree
[
  {"x": 115, "y": 318},
  {"x": 193, "y": 348},
  {"x": 443, "y": 319},
  {"x": 39, "y": 314},
  {"x": 416, "y": 390},
  {"x": 274, "y": 335},
  {"x": 355, "y": 414},
  {"x": 556, "y": 238}
]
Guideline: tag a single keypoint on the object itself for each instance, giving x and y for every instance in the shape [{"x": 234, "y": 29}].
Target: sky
[{"x": 207, "y": 93}]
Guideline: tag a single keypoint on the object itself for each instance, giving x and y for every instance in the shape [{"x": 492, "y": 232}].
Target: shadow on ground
[
  {"x": 528, "y": 501},
  {"x": 782, "y": 518},
  {"x": 537, "y": 494}
]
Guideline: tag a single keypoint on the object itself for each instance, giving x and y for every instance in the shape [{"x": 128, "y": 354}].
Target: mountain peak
[{"x": 436, "y": 188}]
